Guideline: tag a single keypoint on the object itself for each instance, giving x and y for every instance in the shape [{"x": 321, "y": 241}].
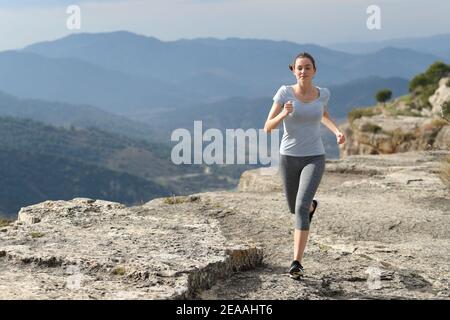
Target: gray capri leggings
[{"x": 301, "y": 177}]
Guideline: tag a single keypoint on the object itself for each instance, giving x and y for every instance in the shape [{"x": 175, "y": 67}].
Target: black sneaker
[{"x": 296, "y": 270}]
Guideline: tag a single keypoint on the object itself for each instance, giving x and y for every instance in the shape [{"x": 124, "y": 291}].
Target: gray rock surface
[
  {"x": 400, "y": 126},
  {"x": 381, "y": 231},
  {"x": 93, "y": 249},
  {"x": 398, "y": 134},
  {"x": 441, "y": 96}
]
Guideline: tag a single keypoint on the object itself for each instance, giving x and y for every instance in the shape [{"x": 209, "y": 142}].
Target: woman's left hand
[{"x": 340, "y": 138}]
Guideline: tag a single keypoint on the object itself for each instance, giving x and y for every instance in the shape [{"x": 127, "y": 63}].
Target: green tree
[
  {"x": 431, "y": 77},
  {"x": 383, "y": 95}
]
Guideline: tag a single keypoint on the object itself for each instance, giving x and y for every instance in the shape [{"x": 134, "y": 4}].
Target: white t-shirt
[{"x": 301, "y": 135}]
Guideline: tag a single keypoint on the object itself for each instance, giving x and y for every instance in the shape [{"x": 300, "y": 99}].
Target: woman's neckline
[{"x": 293, "y": 93}]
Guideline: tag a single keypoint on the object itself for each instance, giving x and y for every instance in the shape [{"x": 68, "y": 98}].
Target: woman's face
[{"x": 303, "y": 69}]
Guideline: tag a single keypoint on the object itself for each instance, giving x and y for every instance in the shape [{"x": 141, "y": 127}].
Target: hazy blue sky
[{"x": 23, "y": 22}]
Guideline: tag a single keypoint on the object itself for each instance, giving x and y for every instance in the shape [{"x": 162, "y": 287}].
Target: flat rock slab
[{"x": 87, "y": 249}]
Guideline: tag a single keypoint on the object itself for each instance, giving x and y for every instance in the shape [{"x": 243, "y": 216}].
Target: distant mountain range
[
  {"x": 30, "y": 178},
  {"x": 42, "y": 162},
  {"x": 67, "y": 115},
  {"x": 74, "y": 81},
  {"x": 247, "y": 61},
  {"x": 135, "y": 75},
  {"x": 438, "y": 45}
]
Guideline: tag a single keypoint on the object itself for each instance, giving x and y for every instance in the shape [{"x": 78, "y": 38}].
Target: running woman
[{"x": 302, "y": 107}]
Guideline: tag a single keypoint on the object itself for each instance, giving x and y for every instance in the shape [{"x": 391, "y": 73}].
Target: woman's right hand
[{"x": 288, "y": 108}]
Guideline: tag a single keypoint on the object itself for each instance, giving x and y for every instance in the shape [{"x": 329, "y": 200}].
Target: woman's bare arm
[
  {"x": 329, "y": 123},
  {"x": 326, "y": 120},
  {"x": 276, "y": 115}
]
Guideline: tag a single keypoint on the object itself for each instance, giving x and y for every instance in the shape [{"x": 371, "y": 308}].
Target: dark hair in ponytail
[{"x": 302, "y": 55}]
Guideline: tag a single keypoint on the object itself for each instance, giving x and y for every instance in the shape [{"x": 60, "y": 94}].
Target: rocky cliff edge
[{"x": 381, "y": 231}]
